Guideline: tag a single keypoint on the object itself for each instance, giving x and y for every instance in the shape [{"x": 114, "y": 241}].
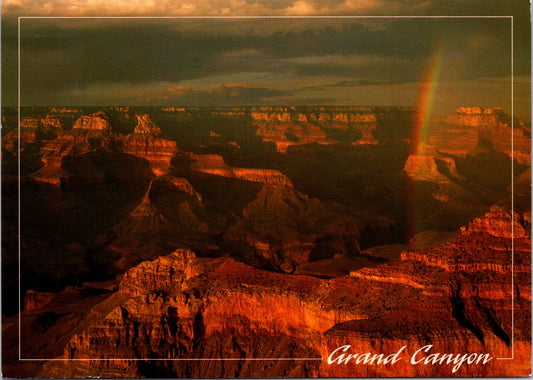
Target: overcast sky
[{"x": 264, "y": 61}]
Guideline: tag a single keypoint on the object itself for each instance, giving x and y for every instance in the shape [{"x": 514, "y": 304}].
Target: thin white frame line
[
  {"x": 19, "y": 197},
  {"x": 265, "y": 17},
  {"x": 272, "y": 17},
  {"x": 512, "y": 187},
  {"x": 175, "y": 359},
  {"x": 512, "y": 193}
]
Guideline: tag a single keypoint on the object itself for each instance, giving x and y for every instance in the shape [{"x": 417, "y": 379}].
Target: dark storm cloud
[
  {"x": 134, "y": 61},
  {"x": 55, "y": 56},
  {"x": 518, "y": 9}
]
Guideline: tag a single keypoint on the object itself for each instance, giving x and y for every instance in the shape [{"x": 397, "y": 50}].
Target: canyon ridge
[{"x": 265, "y": 242}]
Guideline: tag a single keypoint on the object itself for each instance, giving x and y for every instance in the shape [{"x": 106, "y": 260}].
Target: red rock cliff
[
  {"x": 214, "y": 164},
  {"x": 180, "y": 306}
]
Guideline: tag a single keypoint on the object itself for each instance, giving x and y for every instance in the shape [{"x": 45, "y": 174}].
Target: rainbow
[
  {"x": 421, "y": 127},
  {"x": 426, "y": 100}
]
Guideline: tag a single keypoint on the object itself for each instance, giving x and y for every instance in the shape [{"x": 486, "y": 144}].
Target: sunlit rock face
[
  {"x": 146, "y": 126},
  {"x": 454, "y": 297},
  {"x": 287, "y": 126},
  {"x": 97, "y": 121},
  {"x": 91, "y": 133},
  {"x": 460, "y": 132},
  {"x": 214, "y": 164},
  {"x": 88, "y": 133},
  {"x": 143, "y": 142},
  {"x": 475, "y": 148},
  {"x": 424, "y": 166}
]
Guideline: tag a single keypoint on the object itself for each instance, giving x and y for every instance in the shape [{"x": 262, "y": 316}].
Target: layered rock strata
[
  {"x": 464, "y": 133},
  {"x": 286, "y": 126},
  {"x": 88, "y": 133},
  {"x": 91, "y": 133},
  {"x": 214, "y": 164},
  {"x": 179, "y": 306},
  {"x": 144, "y": 142}
]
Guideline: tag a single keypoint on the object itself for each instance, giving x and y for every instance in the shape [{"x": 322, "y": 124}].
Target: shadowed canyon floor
[{"x": 186, "y": 234}]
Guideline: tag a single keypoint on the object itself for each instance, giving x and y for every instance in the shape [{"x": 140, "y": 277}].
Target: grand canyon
[{"x": 265, "y": 242}]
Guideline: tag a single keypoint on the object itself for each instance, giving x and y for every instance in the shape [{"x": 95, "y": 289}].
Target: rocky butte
[{"x": 144, "y": 142}]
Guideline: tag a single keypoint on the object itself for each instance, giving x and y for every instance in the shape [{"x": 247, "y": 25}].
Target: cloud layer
[
  {"x": 210, "y": 7},
  {"x": 212, "y": 61}
]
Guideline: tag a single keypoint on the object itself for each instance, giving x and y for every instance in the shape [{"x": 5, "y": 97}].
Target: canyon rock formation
[
  {"x": 143, "y": 142},
  {"x": 181, "y": 308},
  {"x": 468, "y": 131},
  {"x": 152, "y": 238},
  {"x": 286, "y": 126}
]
